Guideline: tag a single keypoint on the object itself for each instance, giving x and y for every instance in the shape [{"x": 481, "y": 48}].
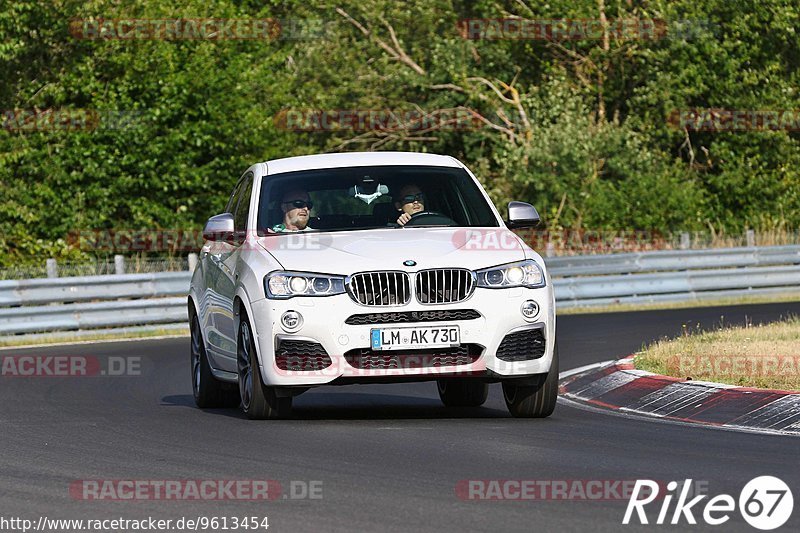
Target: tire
[
  {"x": 207, "y": 390},
  {"x": 533, "y": 401},
  {"x": 462, "y": 392},
  {"x": 259, "y": 402}
]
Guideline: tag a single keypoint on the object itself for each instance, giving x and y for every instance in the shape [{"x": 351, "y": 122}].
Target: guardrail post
[
  {"x": 192, "y": 262},
  {"x": 751, "y": 238},
  {"x": 52, "y": 268},
  {"x": 686, "y": 241},
  {"x": 119, "y": 264}
]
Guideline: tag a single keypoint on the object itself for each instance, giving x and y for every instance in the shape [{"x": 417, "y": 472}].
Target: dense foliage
[{"x": 579, "y": 127}]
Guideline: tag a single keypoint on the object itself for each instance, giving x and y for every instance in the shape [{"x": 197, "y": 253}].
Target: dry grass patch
[{"x": 764, "y": 356}]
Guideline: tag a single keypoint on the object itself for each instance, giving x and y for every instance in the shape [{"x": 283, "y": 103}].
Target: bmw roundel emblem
[{"x": 409, "y": 263}]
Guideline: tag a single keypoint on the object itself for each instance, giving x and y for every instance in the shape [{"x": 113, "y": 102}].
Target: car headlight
[
  {"x": 281, "y": 284},
  {"x": 523, "y": 274}
]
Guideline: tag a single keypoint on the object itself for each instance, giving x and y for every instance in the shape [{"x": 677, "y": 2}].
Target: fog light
[
  {"x": 291, "y": 320},
  {"x": 530, "y": 309}
]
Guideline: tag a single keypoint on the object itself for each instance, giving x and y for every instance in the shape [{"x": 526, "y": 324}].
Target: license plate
[{"x": 415, "y": 338}]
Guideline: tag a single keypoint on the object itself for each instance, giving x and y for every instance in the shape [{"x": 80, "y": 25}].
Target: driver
[
  {"x": 410, "y": 201},
  {"x": 296, "y": 207}
]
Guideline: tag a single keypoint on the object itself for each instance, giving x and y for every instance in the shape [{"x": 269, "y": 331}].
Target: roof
[{"x": 358, "y": 159}]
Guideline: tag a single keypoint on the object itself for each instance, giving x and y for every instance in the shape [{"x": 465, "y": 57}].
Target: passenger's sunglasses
[
  {"x": 300, "y": 204},
  {"x": 419, "y": 197}
]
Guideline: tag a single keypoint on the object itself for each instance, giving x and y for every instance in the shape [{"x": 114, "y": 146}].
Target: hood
[{"x": 386, "y": 249}]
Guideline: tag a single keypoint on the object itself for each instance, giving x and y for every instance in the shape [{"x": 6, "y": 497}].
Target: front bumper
[{"x": 324, "y": 322}]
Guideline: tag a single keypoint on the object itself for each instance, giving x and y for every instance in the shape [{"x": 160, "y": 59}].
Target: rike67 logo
[{"x": 765, "y": 503}]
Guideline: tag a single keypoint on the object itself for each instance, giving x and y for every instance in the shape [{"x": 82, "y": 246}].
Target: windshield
[{"x": 355, "y": 198}]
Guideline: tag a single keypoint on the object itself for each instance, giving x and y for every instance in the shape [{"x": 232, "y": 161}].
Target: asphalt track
[{"x": 389, "y": 456}]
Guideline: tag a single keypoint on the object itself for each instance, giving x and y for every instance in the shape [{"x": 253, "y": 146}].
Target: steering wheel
[{"x": 430, "y": 218}]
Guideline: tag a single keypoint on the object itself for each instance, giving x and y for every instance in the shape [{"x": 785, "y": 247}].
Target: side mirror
[
  {"x": 522, "y": 215},
  {"x": 219, "y": 228}
]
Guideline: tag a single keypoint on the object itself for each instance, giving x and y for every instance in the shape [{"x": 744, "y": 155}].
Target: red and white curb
[{"x": 617, "y": 385}]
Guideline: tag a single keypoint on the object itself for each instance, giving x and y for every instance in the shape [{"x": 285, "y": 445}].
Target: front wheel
[
  {"x": 462, "y": 392},
  {"x": 533, "y": 401},
  {"x": 208, "y": 392},
  {"x": 259, "y": 401}
]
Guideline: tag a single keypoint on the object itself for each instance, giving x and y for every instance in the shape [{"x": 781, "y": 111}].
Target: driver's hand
[{"x": 405, "y": 217}]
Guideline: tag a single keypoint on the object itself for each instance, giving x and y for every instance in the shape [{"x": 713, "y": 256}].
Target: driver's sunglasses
[
  {"x": 300, "y": 204},
  {"x": 419, "y": 197}
]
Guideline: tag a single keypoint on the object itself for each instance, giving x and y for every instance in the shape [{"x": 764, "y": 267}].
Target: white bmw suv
[{"x": 369, "y": 268}]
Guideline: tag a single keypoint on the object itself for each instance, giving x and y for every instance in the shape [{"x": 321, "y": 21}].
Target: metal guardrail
[
  {"x": 124, "y": 300},
  {"x": 87, "y": 288},
  {"x": 38, "y": 318},
  {"x": 675, "y": 275},
  {"x": 628, "y": 263},
  {"x": 675, "y": 286}
]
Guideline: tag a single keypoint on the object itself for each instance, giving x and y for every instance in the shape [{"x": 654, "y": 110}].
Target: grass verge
[
  {"x": 44, "y": 339},
  {"x": 763, "y": 356}
]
